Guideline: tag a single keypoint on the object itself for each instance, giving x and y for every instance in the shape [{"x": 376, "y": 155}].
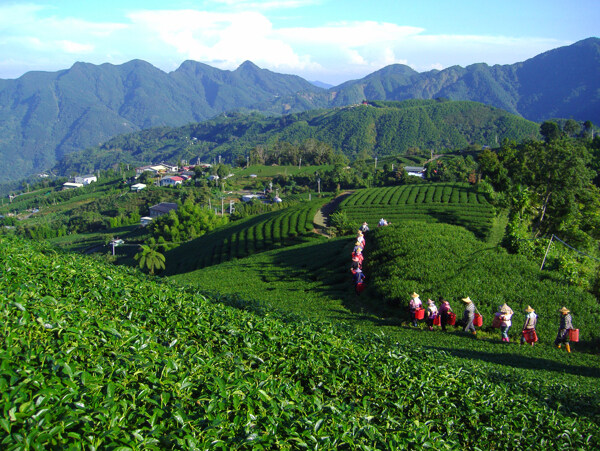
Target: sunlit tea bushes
[
  {"x": 445, "y": 260},
  {"x": 100, "y": 357},
  {"x": 244, "y": 237},
  {"x": 455, "y": 203}
]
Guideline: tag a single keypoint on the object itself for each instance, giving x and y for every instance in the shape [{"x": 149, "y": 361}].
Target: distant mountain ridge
[{"x": 47, "y": 115}]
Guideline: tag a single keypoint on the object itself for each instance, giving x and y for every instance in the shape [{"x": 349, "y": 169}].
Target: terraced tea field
[
  {"x": 101, "y": 357},
  {"x": 246, "y": 237},
  {"x": 453, "y": 203}
]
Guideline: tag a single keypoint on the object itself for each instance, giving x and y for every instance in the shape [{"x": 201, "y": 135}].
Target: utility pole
[
  {"x": 319, "y": 185},
  {"x": 375, "y": 162},
  {"x": 300, "y": 163}
]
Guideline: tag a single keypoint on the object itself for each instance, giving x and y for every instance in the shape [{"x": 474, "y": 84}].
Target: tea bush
[
  {"x": 445, "y": 260},
  {"x": 454, "y": 203},
  {"x": 95, "y": 356}
]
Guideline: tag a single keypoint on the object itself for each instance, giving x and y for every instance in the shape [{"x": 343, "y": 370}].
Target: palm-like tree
[{"x": 150, "y": 258}]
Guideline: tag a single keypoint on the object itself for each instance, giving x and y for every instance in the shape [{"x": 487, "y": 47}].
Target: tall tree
[{"x": 150, "y": 258}]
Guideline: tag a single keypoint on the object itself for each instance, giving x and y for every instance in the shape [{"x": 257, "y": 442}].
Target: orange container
[
  {"x": 478, "y": 320},
  {"x": 437, "y": 320},
  {"x": 419, "y": 313},
  {"x": 530, "y": 336},
  {"x": 574, "y": 335}
]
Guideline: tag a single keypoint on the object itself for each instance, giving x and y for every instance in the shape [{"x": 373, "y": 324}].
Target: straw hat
[
  {"x": 529, "y": 309},
  {"x": 504, "y": 308},
  {"x": 467, "y": 300},
  {"x": 564, "y": 310},
  {"x": 360, "y": 232},
  {"x": 414, "y": 295}
]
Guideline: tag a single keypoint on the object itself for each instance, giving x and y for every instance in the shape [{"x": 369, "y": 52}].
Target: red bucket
[
  {"x": 451, "y": 319},
  {"x": 574, "y": 335},
  {"x": 530, "y": 336},
  {"x": 497, "y": 322},
  {"x": 419, "y": 313},
  {"x": 478, "y": 320},
  {"x": 437, "y": 320}
]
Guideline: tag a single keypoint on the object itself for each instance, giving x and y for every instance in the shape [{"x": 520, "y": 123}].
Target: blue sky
[{"x": 327, "y": 40}]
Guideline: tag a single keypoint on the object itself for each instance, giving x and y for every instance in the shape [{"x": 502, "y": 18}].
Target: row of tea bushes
[
  {"x": 101, "y": 357},
  {"x": 445, "y": 260},
  {"x": 454, "y": 203},
  {"x": 245, "y": 237}
]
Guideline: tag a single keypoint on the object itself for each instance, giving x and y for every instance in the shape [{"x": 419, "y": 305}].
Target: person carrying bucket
[
  {"x": 469, "y": 315},
  {"x": 504, "y": 315},
  {"x": 566, "y": 324},
  {"x": 432, "y": 313},
  {"x": 529, "y": 334},
  {"x": 359, "y": 281},
  {"x": 414, "y": 305},
  {"x": 445, "y": 311}
]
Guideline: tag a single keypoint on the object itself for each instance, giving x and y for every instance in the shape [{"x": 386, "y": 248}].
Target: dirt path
[{"x": 321, "y": 218}]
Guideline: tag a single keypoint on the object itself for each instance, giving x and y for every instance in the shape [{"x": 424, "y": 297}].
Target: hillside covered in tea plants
[{"x": 104, "y": 357}]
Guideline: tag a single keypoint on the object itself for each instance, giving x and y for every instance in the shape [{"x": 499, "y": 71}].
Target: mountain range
[{"x": 47, "y": 115}]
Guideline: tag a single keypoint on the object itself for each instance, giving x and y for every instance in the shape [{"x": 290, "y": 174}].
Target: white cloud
[{"x": 75, "y": 47}]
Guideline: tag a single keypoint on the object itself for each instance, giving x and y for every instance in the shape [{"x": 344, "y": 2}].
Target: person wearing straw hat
[
  {"x": 445, "y": 310},
  {"x": 566, "y": 324},
  {"x": 364, "y": 228},
  {"x": 414, "y": 305},
  {"x": 469, "y": 315},
  {"x": 505, "y": 314},
  {"x": 529, "y": 324},
  {"x": 360, "y": 238},
  {"x": 432, "y": 313}
]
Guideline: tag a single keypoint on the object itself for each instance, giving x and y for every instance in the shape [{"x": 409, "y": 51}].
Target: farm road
[{"x": 321, "y": 219}]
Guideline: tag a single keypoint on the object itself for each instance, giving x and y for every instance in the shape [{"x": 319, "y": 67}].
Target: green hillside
[
  {"x": 377, "y": 129},
  {"x": 245, "y": 237},
  {"x": 454, "y": 203},
  {"x": 102, "y": 357}
]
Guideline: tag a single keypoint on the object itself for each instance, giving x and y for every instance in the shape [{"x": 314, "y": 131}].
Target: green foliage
[
  {"x": 444, "y": 260},
  {"x": 342, "y": 224},
  {"x": 150, "y": 259},
  {"x": 454, "y": 203},
  {"x": 157, "y": 366},
  {"x": 189, "y": 221},
  {"x": 396, "y": 127},
  {"x": 239, "y": 239}
]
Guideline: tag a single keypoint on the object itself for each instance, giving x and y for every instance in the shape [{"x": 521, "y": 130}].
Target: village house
[
  {"x": 171, "y": 181},
  {"x": 138, "y": 187},
  {"x": 154, "y": 169},
  {"x": 415, "y": 171},
  {"x": 86, "y": 179},
  {"x": 162, "y": 209},
  {"x": 72, "y": 185}
]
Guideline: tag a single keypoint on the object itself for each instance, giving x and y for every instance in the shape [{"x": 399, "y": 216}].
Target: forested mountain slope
[
  {"x": 44, "y": 116},
  {"x": 380, "y": 128}
]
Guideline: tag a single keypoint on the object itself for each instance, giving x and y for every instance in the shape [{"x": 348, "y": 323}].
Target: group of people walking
[
  {"x": 358, "y": 277},
  {"x": 471, "y": 318}
]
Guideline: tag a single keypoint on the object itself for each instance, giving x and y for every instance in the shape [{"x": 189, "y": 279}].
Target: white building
[{"x": 86, "y": 179}]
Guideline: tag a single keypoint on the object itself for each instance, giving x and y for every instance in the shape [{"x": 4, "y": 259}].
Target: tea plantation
[
  {"x": 454, "y": 203},
  {"x": 96, "y": 356},
  {"x": 245, "y": 237}
]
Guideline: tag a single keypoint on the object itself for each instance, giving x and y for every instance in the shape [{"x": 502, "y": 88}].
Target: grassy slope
[{"x": 313, "y": 280}]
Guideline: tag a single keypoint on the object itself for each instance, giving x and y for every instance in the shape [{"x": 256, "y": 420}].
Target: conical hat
[
  {"x": 414, "y": 295},
  {"x": 529, "y": 309},
  {"x": 504, "y": 308},
  {"x": 467, "y": 300},
  {"x": 564, "y": 310}
]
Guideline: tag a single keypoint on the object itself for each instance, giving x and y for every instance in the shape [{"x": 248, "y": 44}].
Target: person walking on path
[
  {"x": 359, "y": 281},
  {"x": 504, "y": 315},
  {"x": 432, "y": 313},
  {"x": 566, "y": 324},
  {"x": 364, "y": 227},
  {"x": 469, "y": 315},
  {"x": 529, "y": 324},
  {"x": 414, "y": 305},
  {"x": 445, "y": 310}
]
